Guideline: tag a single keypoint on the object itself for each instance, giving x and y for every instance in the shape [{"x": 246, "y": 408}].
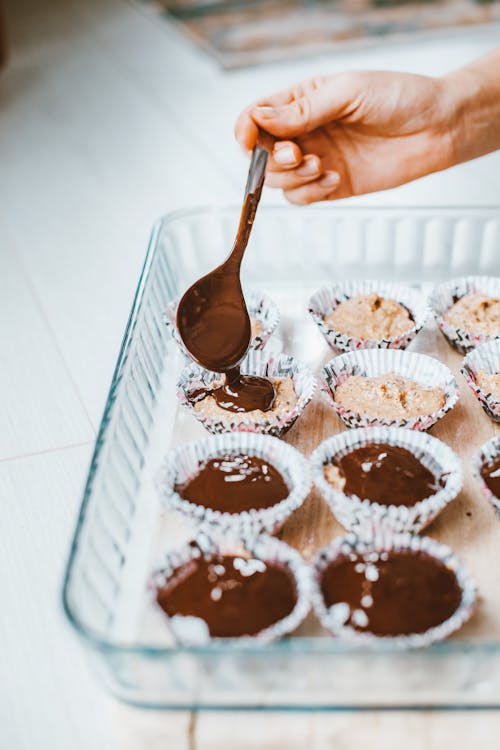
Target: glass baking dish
[{"x": 122, "y": 533}]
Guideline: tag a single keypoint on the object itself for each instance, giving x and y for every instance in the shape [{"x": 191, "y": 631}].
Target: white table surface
[{"x": 109, "y": 118}]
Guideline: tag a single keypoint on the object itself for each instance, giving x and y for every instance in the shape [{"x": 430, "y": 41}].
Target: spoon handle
[{"x": 253, "y": 189}]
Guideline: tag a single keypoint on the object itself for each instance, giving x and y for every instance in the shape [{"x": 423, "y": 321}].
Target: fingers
[
  {"x": 246, "y": 131},
  {"x": 323, "y": 189},
  {"x": 285, "y": 155},
  {"x": 309, "y": 169},
  {"x": 310, "y": 106}
]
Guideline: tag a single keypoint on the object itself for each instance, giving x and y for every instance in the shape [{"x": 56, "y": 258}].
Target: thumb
[{"x": 314, "y": 108}]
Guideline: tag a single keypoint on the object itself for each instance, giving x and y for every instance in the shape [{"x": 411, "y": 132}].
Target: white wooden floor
[{"x": 109, "y": 118}]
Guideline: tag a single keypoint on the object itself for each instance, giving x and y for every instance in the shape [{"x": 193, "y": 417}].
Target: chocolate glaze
[
  {"x": 387, "y": 474},
  {"x": 234, "y": 596},
  {"x": 491, "y": 475},
  {"x": 403, "y": 594},
  {"x": 240, "y": 393},
  {"x": 235, "y": 483}
]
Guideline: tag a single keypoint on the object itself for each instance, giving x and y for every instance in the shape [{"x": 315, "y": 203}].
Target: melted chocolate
[
  {"x": 387, "y": 474},
  {"x": 234, "y": 596},
  {"x": 235, "y": 483},
  {"x": 402, "y": 594},
  {"x": 214, "y": 324},
  {"x": 240, "y": 393},
  {"x": 491, "y": 475}
]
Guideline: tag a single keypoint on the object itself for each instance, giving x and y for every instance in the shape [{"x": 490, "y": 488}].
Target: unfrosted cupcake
[
  {"x": 467, "y": 310},
  {"x": 241, "y": 483},
  {"x": 254, "y": 591},
  {"x": 377, "y": 477},
  {"x": 481, "y": 369},
  {"x": 263, "y": 312},
  {"x": 403, "y": 590},
  {"x": 293, "y": 382},
  {"x": 367, "y": 315},
  {"x": 388, "y": 387}
]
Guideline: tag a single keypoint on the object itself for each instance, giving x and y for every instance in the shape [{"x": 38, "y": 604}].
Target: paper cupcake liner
[
  {"x": 193, "y": 378},
  {"x": 186, "y": 631},
  {"x": 485, "y": 358},
  {"x": 445, "y": 295},
  {"x": 325, "y": 300},
  {"x": 388, "y": 541},
  {"x": 420, "y": 368},
  {"x": 260, "y": 307},
  {"x": 354, "y": 512},
  {"x": 486, "y": 454},
  {"x": 184, "y": 463}
]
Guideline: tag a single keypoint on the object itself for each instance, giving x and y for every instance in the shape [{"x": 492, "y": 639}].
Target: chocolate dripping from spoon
[{"x": 213, "y": 319}]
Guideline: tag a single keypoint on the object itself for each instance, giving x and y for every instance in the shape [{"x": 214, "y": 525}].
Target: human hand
[{"x": 353, "y": 133}]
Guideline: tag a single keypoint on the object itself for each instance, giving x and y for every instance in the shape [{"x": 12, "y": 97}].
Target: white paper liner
[
  {"x": 388, "y": 541},
  {"x": 260, "y": 307},
  {"x": 486, "y": 454},
  {"x": 262, "y": 547},
  {"x": 184, "y": 463},
  {"x": 325, "y": 300},
  {"x": 445, "y": 295},
  {"x": 422, "y": 369},
  {"x": 354, "y": 512},
  {"x": 260, "y": 363},
  {"x": 485, "y": 358}
]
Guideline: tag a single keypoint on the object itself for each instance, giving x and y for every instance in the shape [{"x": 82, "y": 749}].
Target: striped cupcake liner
[
  {"x": 192, "y": 631},
  {"x": 354, "y": 512},
  {"x": 280, "y": 366},
  {"x": 371, "y": 548},
  {"x": 184, "y": 462},
  {"x": 445, "y": 295},
  {"x": 485, "y": 358},
  {"x": 420, "y": 368},
  {"x": 325, "y": 300},
  {"x": 486, "y": 454},
  {"x": 261, "y": 308}
]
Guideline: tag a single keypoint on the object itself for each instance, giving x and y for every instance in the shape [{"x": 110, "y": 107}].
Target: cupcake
[
  {"x": 388, "y": 387},
  {"x": 263, "y": 312},
  {"x": 467, "y": 310},
  {"x": 199, "y": 391},
  {"x": 368, "y": 315},
  {"x": 481, "y": 369},
  {"x": 376, "y": 477},
  {"x": 403, "y": 590},
  {"x": 255, "y": 591},
  {"x": 241, "y": 483},
  {"x": 486, "y": 469}
]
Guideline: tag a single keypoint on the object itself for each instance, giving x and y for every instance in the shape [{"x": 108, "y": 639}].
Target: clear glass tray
[{"x": 122, "y": 533}]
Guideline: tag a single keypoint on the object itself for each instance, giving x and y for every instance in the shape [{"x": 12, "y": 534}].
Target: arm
[{"x": 354, "y": 133}]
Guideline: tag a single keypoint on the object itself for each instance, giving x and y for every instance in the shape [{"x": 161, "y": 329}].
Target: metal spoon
[{"x": 212, "y": 316}]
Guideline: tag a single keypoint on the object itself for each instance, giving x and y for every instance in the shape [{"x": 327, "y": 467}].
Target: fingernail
[
  {"x": 308, "y": 166},
  {"x": 284, "y": 155},
  {"x": 264, "y": 111},
  {"x": 329, "y": 179}
]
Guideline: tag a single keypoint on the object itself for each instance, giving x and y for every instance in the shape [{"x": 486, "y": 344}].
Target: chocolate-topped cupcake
[
  {"x": 386, "y": 477},
  {"x": 211, "y": 399},
  {"x": 481, "y": 369},
  {"x": 410, "y": 591},
  {"x": 467, "y": 310},
  {"x": 263, "y": 312},
  {"x": 355, "y": 315},
  {"x": 486, "y": 469},
  {"x": 388, "y": 387},
  {"x": 257, "y": 591},
  {"x": 241, "y": 482}
]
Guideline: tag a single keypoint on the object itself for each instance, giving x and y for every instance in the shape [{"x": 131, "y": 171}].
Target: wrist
[{"x": 473, "y": 95}]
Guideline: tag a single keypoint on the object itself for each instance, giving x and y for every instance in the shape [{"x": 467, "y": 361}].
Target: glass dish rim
[{"x": 290, "y": 645}]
